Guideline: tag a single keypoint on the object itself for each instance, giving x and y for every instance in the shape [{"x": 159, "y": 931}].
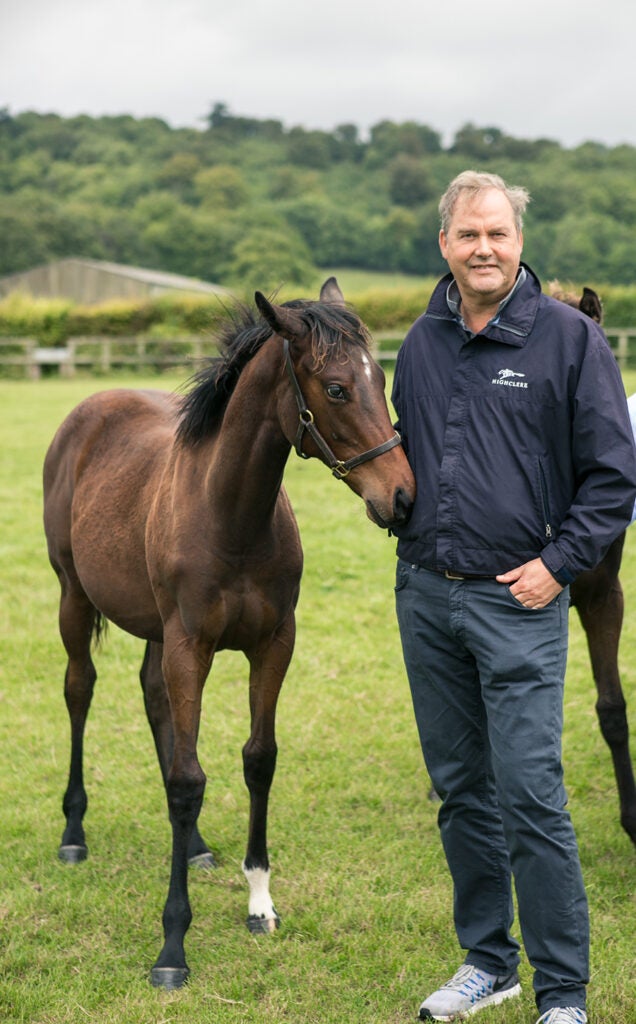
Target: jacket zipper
[{"x": 544, "y": 500}]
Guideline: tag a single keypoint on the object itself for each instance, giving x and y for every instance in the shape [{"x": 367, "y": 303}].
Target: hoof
[
  {"x": 169, "y": 977},
  {"x": 262, "y": 925},
  {"x": 72, "y": 854},
  {"x": 205, "y": 861}
]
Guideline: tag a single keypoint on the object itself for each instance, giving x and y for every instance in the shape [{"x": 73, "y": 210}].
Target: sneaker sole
[{"x": 493, "y": 1000}]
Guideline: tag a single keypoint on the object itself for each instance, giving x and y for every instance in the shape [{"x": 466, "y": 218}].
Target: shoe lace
[
  {"x": 563, "y": 1015},
  {"x": 469, "y": 982}
]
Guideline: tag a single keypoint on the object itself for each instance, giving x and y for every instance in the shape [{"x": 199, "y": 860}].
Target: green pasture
[{"x": 358, "y": 875}]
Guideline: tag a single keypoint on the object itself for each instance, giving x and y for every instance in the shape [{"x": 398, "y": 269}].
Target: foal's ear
[
  {"x": 590, "y": 304},
  {"x": 330, "y": 292},
  {"x": 282, "y": 320}
]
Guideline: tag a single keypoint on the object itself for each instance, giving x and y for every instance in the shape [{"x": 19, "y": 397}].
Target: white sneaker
[
  {"x": 563, "y": 1015},
  {"x": 470, "y": 990}
]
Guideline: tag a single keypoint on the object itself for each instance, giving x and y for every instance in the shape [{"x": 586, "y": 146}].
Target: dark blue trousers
[{"x": 486, "y": 677}]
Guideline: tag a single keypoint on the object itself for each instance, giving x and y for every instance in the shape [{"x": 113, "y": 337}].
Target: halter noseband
[{"x": 339, "y": 468}]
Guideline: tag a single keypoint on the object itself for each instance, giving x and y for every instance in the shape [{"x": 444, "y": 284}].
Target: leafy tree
[
  {"x": 349, "y": 146},
  {"x": 218, "y": 116},
  {"x": 220, "y": 120},
  {"x": 488, "y": 143},
  {"x": 22, "y": 245},
  {"x": 582, "y": 246},
  {"x": 200, "y": 201},
  {"x": 29, "y": 169},
  {"x": 389, "y": 139},
  {"x": 267, "y": 258},
  {"x": 178, "y": 174},
  {"x": 552, "y": 193},
  {"x": 221, "y": 187},
  {"x": 332, "y": 232},
  {"x": 396, "y": 241},
  {"x": 288, "y": 182},
  {"x": 411, "y": 182},
  {"x": 309, "y": 148},
  {"x": 426, "y": 254}
]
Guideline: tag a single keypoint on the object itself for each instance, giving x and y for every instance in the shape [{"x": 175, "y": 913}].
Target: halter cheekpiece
[{"x": 339, "y": 468}]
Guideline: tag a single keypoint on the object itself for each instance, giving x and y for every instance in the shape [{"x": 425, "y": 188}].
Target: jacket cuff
[{"x": 562, "y": 574}]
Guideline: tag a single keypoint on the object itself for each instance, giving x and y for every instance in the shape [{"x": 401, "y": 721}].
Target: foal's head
[{"x": 334, "y": 383}]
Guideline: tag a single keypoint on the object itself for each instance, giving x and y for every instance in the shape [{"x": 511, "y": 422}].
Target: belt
[{"x": 450, "y": 575}]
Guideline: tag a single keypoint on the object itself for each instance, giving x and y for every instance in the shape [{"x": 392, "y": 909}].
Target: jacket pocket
[{"x": 402, "y": 575}]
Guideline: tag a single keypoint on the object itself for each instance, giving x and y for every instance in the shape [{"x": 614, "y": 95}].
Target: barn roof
[{"x": 92, "y": 281}]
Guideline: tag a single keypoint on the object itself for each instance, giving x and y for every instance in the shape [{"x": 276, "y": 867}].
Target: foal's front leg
[
  {"x": 267, "y": 671},
  {"x": 160, "y": 719},
  {"x": 186, "y": 664}
]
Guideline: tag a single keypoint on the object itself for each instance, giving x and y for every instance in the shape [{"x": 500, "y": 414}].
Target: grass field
[
  {"x": 358, "y": 874},
  {"x": 355, "y": 281}
]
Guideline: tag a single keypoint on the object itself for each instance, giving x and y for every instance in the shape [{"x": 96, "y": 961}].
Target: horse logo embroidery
[{"x": 506, "y": 376}]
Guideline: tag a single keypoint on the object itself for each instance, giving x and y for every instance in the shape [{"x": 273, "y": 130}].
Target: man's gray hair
[{"x": 478, "y": 181}]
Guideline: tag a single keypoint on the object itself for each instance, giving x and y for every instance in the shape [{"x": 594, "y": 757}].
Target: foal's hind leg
[
  {"x": 158, "y": 712},
  {"x": 78, "y": 620},
  {"x": 267, "y": 671}
]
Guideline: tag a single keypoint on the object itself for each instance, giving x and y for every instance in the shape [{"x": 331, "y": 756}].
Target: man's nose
[{"x": 483, "y": 243}]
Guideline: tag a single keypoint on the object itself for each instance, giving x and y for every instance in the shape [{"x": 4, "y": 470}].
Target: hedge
[{"x": 53, "y": 321}]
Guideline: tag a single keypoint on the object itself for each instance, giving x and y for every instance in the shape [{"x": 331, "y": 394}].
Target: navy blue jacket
[{"x": 519, "y": 438}]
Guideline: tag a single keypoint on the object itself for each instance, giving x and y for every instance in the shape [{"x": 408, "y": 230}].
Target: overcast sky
[{"x": 561, "y": 69}]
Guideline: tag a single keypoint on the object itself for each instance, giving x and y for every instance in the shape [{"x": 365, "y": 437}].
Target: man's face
[{"x": 482, "y": 247}]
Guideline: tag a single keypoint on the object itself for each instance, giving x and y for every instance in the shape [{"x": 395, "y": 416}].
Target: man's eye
[{"x": 336, "y": 391}]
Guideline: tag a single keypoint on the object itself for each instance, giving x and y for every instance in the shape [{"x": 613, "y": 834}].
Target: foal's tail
[{"x": 100, "y": 629}]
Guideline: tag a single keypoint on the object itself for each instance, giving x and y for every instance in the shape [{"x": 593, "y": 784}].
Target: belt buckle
[{"x": 453, "y": 575}]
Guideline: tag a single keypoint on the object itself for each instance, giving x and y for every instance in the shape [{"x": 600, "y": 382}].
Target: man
[
  {"x": 631, "y": 405},
  {"x": 515, "y": 422}
]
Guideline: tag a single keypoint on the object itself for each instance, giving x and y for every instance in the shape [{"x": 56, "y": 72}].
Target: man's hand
[{"x": 531, "y": 584}]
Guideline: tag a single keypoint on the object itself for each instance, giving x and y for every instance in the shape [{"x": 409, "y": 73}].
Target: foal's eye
[{"x": 336, "y": 391}]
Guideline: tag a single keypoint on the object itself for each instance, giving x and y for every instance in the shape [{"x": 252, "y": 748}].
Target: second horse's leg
[{"x": 598, "y": 598}]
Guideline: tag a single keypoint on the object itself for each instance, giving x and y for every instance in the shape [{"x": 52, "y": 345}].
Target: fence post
[
  {"x": 33, "y": 369},
  {"x": 69, "y": 369},
  {"x": 622, "y": 349},
  {"x": 106, "y": 355}
]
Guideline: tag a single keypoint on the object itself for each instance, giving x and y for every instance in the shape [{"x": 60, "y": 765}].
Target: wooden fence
[{"x": 105, "y": 354}]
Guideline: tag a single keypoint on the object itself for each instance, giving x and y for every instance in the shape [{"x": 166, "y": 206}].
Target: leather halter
[{"x": 339, "y": 468}]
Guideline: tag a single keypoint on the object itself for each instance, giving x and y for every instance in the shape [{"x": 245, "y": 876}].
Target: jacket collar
[{"x": 514, "y": 319}]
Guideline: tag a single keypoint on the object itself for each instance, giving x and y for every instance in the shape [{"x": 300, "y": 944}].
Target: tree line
[{"x": 251, "y": 202}]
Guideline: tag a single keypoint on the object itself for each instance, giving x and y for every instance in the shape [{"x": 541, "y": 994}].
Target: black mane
[{"x": 240, "y": 338}]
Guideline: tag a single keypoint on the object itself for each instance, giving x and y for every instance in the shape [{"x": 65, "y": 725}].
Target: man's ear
[{"x": 443, "y": 248}]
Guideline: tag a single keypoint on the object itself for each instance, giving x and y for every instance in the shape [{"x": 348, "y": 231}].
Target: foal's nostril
[{"x": 402, "y": 506}]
